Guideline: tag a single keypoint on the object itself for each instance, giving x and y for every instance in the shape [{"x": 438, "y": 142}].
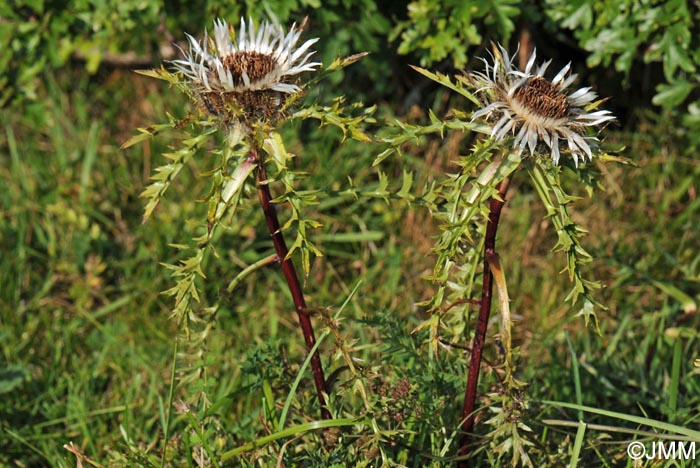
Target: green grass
[{"x": 87, "y": 347}]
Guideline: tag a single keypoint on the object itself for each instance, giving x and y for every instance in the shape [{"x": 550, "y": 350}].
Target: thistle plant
[
  {"x": 534, "y": 126},
  {"x": 245, "y": 86}
]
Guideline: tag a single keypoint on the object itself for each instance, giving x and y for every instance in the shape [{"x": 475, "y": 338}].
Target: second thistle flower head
[
  {"x": 536, "y": 110},
  {"x": 243, "y": 78}
]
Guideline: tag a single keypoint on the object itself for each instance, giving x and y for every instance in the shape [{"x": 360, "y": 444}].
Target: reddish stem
[
  {"x": 468, "y": 414},
  {"x": 290, "y": 275}
]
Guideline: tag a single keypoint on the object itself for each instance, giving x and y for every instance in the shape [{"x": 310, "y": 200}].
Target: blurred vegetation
[{"x": 86, "y": 346}]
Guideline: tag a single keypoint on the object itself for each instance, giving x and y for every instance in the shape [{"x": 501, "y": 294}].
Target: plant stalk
[
  {"x": 290, "y": 275},
  {"x": 468, "y": 414}
]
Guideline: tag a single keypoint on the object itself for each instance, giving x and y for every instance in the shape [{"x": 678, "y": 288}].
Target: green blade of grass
[
  {"x": 294, "y": 430},
  {"x": 675, "y": 380},
  {"x": 576, "y": 374},
  {"x": 628, "y": 417},
  {"x": 297, "y": 380},
  {"x": 88, "y": 162},
  {"x": 578, "y": 443},
  {"x": 165, "y": 418},
  {"x": 617, "y": 430}
]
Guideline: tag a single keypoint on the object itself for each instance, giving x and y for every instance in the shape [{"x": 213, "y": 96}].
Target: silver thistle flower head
[
  {"x": 535, "y": 110},
  {"x": 245, "y": 77}
]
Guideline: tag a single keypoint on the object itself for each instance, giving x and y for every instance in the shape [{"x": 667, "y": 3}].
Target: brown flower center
[
  {"x": 543, "y": 98},
  {"x": 255, "y": 64}
]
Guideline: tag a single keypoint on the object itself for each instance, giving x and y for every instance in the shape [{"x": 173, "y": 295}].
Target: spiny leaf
[
  {"x": 274, "y": 147},
  {"x": 405, "y": 133},
  {"x": 569, "y": 234},
  {"x": 407, "y": 183},
  {"x": 151, "y": 131},
  {"x": 341, "y": 115},
  {"x": 337, "y": 64},
  {"x": 447, "y": 82},
  {"x": 165, "y": 174},
  {"x": 159, "y": 73}
]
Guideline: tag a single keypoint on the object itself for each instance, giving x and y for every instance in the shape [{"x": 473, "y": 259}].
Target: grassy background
[{"x": 86, "y": 345}]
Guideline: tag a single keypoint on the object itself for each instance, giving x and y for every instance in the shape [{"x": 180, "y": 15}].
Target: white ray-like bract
[{"x": 532, "y": 109}]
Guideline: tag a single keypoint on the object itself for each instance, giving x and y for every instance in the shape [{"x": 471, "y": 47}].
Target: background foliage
[{"x": 86, "y": 345}]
